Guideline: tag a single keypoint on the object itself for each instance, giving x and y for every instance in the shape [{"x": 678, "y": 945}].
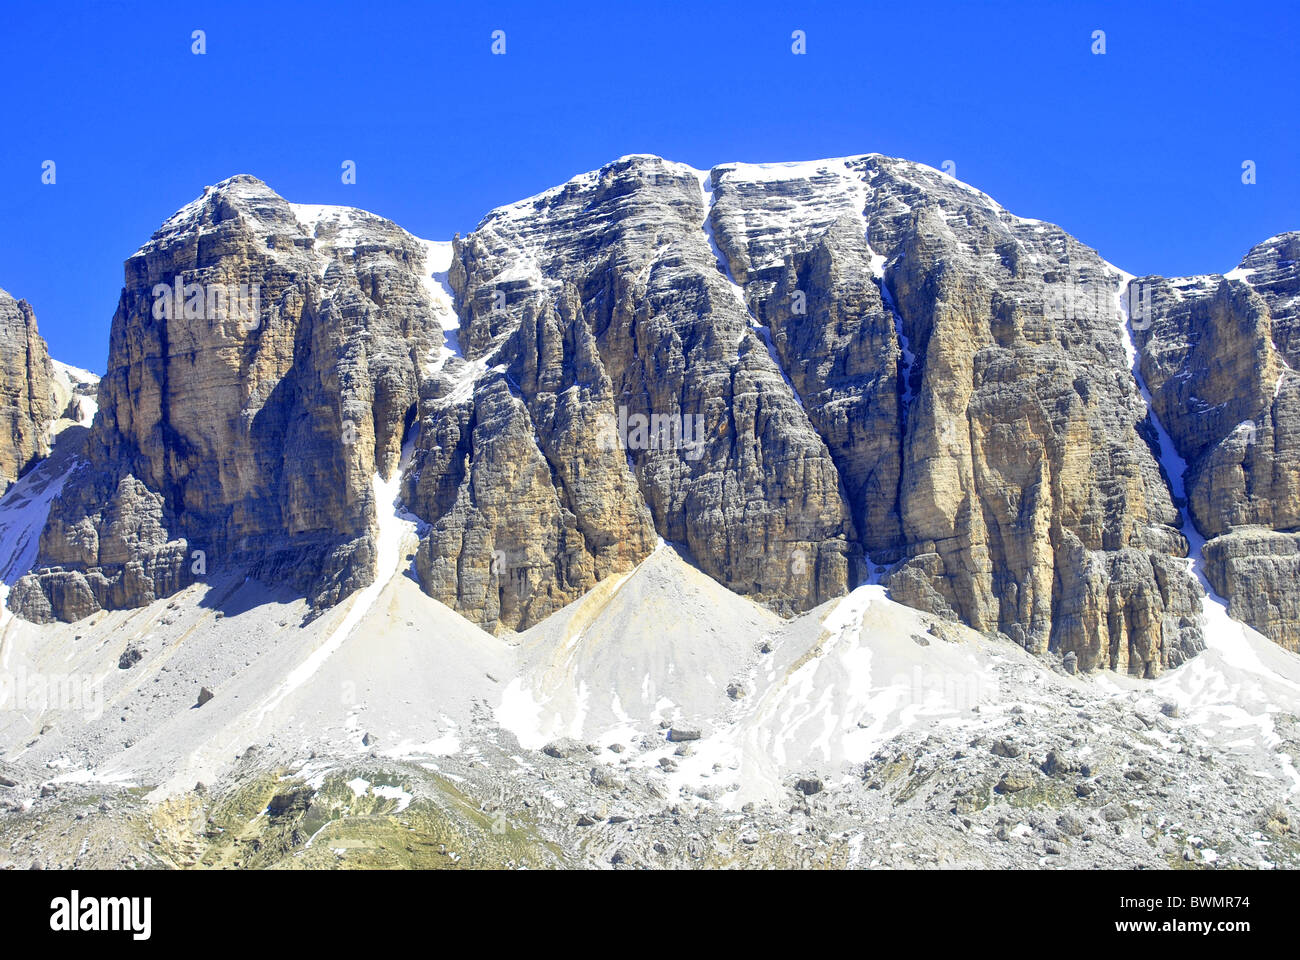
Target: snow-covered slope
[{"x": 75, "y": 397}]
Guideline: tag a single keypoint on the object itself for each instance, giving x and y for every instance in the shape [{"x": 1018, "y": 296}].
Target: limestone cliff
[
  {"x": 975, "y": 399},
  {"x": 262, "y": 369},
  {"x": 1218, "y": 353},
  {"x": 613, "y": 386},
  {"x": 27, "y": 398}
]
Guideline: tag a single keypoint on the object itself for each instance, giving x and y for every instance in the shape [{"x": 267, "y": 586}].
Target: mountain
[
  {"x": 845, "y": 369},
  {"x": 250, "y": 431},
  {"x": 666, "y": 506}
]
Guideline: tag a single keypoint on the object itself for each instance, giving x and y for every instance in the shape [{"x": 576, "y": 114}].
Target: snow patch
[
  {"x": 434, "y": 278},
  {"x": 395, "y": 526}
]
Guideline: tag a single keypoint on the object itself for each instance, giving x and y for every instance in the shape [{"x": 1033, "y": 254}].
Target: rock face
[
  {"x": 27, "y": 391},
  {"x": 1258, "y": 571},
  {"x": 801, "y": 375},
  {"x": 262, "y": 369},
  {"x": 887, "y": 369},
  {"x": 1218, "y": 354},
  {"x": 613, "y": 385},
  {"x": 975, "y": 400}
]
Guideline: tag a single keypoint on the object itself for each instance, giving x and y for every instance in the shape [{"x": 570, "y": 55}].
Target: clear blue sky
[{"x": 1137, "y": 152}]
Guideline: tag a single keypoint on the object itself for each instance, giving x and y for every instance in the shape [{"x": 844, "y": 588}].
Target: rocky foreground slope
[{"x": 658, "y": 721}]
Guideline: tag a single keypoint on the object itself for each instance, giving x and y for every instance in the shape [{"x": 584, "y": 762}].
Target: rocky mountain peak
[
  {"x": 256, "y": 386},
  {"x": 242, "y": 198}
]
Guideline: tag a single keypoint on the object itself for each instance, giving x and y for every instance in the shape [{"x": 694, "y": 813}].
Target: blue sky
[{"x": 1137, "y": 152}]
